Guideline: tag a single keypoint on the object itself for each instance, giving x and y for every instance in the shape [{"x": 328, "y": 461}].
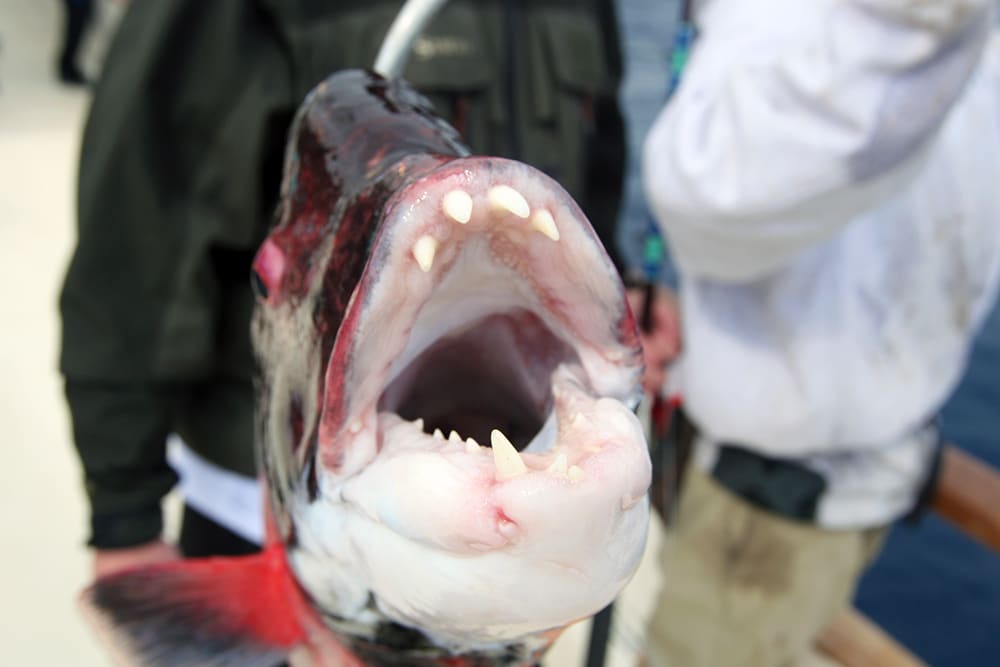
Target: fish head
[{"x": 448, "y": 374}]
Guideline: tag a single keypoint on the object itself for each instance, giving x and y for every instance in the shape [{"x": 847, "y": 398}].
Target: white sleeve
[{"x": 794, "y": 117}]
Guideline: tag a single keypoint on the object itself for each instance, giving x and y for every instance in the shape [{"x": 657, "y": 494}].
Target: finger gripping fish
[{"x": 447, "y": 371}]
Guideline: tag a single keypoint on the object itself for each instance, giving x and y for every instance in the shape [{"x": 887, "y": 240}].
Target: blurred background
[{"x": 933, "y": 589}]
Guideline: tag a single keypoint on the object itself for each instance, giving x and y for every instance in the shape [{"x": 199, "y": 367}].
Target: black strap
[
  {"x": 926, "y": 494},
  {"x": 781, "y": 486},
  {"x": 600, "y": 634}
]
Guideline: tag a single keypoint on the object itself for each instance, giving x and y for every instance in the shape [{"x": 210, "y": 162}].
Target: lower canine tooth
[
  {"x": 509, "y": 199},
  {"x": 424, "y": 250},
  {"x": 505, "y": 457},
  {"x": 457, "y": 205}
]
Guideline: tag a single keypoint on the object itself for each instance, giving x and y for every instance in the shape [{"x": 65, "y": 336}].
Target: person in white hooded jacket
[{"x": 827, "y": 176}]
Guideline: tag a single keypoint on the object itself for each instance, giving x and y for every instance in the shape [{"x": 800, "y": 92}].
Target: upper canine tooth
[
  {"x": 505, "y": 457},
  {"x": 457, "y": 205},
  {"x": 509, "y": 199},
  {"x": 424, "y": 250},
  {"x": 544, "y": 222}
]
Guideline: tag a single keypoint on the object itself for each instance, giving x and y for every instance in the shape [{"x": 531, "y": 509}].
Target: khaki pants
[{"x": 745, "y": 587}]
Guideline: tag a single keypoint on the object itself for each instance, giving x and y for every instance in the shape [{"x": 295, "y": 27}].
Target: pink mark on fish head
[{"x": 268, "y": 272}]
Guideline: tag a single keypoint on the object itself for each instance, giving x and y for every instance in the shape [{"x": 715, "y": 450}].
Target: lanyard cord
[{"x": 654, "y": 250}]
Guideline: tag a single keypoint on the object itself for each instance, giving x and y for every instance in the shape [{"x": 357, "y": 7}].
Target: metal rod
[{"x": 398, "y": 43}]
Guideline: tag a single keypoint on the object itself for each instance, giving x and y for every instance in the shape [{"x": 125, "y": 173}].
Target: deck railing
[{"x": 967, "y": 494}]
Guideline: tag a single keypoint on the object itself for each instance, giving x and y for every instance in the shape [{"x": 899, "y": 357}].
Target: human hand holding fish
[
  {"x": 661, "y": 342},
  {"x": 109, "y": 561},
  {"x": 409, "y": 291}
]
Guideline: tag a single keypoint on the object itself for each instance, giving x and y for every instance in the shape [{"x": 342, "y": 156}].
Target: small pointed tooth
[
  {"x": 419, "y": 423},
  {"x": 424, "y": 250},
  {"x": 575, "y": 473},
  {"x": 509, "y": 199},
  {"x": 471, "y": 446},
  {"x": 630, "y": 501},
  {"x": 454, "y": 438},
  {"x": 544, "y": 222},
  {"x": 505, "y": 457},
  {"x": 438, "y": 434},
  {"x": 558, "y": 466},
  {"x": 457, "y": 205}
]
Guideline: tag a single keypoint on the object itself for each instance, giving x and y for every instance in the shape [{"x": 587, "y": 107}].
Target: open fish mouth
[{"x": 476, "y": 437}]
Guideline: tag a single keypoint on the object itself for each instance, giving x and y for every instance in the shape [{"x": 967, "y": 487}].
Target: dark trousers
[
  {"x": 200, "y": 537},
  {"x": 78, "y": 14}
]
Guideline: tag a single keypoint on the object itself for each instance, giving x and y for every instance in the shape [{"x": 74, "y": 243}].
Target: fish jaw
[
  {"x": 497, "y": 263},
  {"x": 494, "y": 308},
  {"x": 474, "y": 561}
]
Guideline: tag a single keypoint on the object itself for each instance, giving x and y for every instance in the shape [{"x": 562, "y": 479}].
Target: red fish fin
[{"x": 212, "y": 612}]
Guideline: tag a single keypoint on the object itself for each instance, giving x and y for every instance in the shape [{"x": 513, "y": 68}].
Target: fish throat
[{"x": 494, "y": 374}]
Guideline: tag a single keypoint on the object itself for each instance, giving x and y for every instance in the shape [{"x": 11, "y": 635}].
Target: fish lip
[{"x": 375, "y": 343}]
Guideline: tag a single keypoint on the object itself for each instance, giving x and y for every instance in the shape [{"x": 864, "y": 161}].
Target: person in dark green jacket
[{"x": 179, "y": 176}]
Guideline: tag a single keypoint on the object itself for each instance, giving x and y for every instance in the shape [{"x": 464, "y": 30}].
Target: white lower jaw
[
  {"x": 464, "y": 602},
  {"x": 419, "y": 530}
]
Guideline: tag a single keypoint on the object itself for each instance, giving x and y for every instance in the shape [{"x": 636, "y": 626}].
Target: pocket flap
[
  {"x": 576, "y": 49},
  {"x": 451, "y": 54}
]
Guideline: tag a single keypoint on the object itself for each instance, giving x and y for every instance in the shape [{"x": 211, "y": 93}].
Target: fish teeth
[
  {"x": 544, "y": 222},
  {"x": 630, "y": 501},
  {"x": 505, "y": 457},
  {"x": 424, "y": 250},
  {"x": 558, "y": 466},
  {"x": 507, "y": 198},
  {"x": 457, "y": 205}
]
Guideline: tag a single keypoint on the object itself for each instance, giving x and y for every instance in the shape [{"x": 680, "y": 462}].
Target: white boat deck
[{"x": 43, "y": 561}]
